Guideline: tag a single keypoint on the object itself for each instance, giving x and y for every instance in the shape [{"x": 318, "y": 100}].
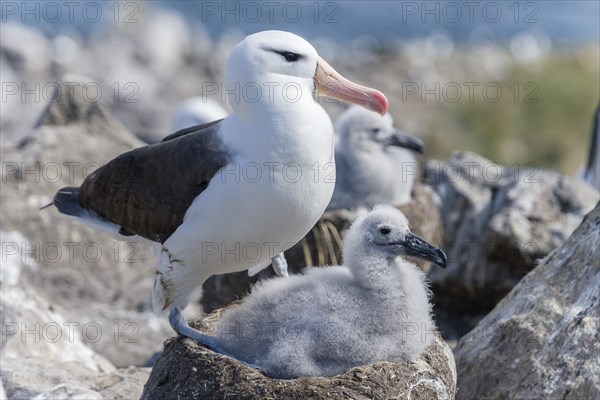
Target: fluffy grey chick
[
  {"x": 374, "y": 161},
  {"x": 330, "y": 320}
]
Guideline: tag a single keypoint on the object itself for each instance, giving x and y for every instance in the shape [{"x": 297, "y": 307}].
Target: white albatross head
[{"x": 272, "y": 65}]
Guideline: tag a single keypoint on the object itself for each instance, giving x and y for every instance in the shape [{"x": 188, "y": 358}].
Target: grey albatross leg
[
  {"x": 181, "y": 326},
  {"x": 280, "y": 265}
]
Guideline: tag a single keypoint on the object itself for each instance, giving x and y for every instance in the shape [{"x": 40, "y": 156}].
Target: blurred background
[{"x": 516, "y": 82}]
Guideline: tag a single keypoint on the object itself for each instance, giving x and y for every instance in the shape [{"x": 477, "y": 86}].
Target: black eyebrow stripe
[{"x": 284, "y": 52}]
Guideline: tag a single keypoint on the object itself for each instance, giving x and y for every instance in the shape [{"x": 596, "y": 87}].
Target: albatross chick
[
  {"x": 374, "y": 308},
  {"x": 374, "y": 161}
]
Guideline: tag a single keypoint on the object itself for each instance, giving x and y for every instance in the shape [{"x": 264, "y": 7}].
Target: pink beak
[{"x": 331, "y": 84}]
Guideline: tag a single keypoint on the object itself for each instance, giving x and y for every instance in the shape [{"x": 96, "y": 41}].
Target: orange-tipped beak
[{"x": 331, "y": 84}]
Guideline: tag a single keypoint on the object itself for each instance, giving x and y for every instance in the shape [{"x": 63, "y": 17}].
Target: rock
[
  {"x": 69, "y": 392},
  {"x": 498, "y": 223},
  {"x": 125, "y": 383},
  {"x": 35, "y": 57},
  {"x": 323, "y": 246},
  {"x": 24, "y": 71},
  {"x": 543, "y": 339},
  {"x": 72, "y": 105},
  {"x": 33, "y": 376},
  {"x": 187, "y": 370},
  {"x": 40, "y": 347},
  {"x": 129, "y": 337},
  {"x": 33, "y": 327},
  {"x": 92, "y": 277}
]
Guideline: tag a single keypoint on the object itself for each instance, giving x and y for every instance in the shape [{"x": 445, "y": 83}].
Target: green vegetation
[{"x": 549, "y": 123}]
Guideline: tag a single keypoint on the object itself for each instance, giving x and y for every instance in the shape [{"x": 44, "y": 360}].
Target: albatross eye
[
  {"x": 384, "y": 230},
  {"x": 288, "y": 55},
  {"x": 291, "y": 57}
]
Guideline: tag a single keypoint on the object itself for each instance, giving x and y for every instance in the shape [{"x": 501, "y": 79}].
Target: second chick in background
[{"x": 375, "y": 163}]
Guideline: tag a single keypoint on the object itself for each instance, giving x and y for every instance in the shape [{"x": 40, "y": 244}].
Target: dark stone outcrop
[
  {"x": 498, "y": 223},
  {"x": 543, "y": 339}
]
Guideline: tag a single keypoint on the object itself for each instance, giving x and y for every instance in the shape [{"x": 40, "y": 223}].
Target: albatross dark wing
[
  {"x": 148, "y": 190},
  {"x": 192, "y": 129}
]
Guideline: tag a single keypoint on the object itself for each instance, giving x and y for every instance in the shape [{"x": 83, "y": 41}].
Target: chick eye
[
  {"x": 375, "y": 130},
  {"x": 291, "y": 57},
  {"x": 385, "y": 230}
]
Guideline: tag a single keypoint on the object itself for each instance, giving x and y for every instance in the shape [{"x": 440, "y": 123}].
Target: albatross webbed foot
[{"x": 280, "y": 265}]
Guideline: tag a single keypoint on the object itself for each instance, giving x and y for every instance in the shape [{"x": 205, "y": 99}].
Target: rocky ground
[
  {"x": 76, "y": 310},
  {"x": 543, "y": 339},
  {"x": 498, "y": 224},
  {"x": 72, "y": 298},
  {"x": 90, "y": 313}
]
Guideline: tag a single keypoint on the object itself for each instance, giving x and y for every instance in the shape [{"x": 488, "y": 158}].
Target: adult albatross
[{"x": 235, "y": 193}]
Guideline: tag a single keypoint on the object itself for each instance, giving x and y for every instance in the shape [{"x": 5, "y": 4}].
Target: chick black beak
[
  {"x": 417, "y": 247},
  {"x": 401, "y": 139}
]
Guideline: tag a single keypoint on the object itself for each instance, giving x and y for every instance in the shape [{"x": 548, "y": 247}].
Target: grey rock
[
  {"x": 22, "y": 67},
  {"x": 25, "y": 378},
  {"x": 69, "y": 392},
  {"x": 34, "y": 327},
  {"x": 33, "y": 58},
  {"x": 187, "y": 370},
  {"x": 498, "y": 223},
  {"x": 129, "y": 337},
  {"x": 92, "y": 277},
  {"x": 323, "y": 246},
  {"x": 543, "y": 339}
]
